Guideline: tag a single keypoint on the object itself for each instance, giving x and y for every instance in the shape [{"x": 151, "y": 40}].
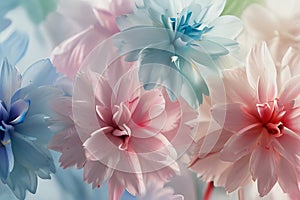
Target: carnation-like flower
[
  {"x": 258, "y": 128},
  {"x": 97, "y": 27},
  {"x": 180, "y": 35},
  {"x": 123, "y": 133},
  {"x": 24, "y": 110}
]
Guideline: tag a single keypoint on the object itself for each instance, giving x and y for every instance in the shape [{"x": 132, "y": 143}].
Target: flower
[
  {"x": 274, "y": 22},
  {"x": 24, "y": 102},
  {"x": 179, "y": 35},
  {"x": 69, "y": 55},
  {"x": 259, "y": 133},
  {"x": 122, "y": 133}
]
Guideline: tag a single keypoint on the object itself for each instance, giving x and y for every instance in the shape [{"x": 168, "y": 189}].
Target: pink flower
[
  {"x": 258, "y": 126},
  {"x": 127, "y": 135},
  {"x": 69, "y": 55},
  {"x": 275, "y": 22}
]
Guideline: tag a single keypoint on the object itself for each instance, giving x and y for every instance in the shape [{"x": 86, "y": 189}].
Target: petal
[
  {"x": 14, "y": 47},
  {"x": 30, "y": 155},
  {"x": 4, "y": 23},
  {"x": 288, "y": 177},
  {"x": 238, "y": 174},
  {"x": 234, "y": 117},
  {"x": 240, "y": 145},
  {"x": 70, "y": 145},
  {"x": 263, "y": 169},
  {"x": 290, "y": 90},
  {"x": 261, "y": 73},
  {"x": 40, "y": 73},
  {"x": 35, "y": 127},
  {"x": 121, "y": 7},
  {"x": 10, "y": 81},
  {"x": 226, "y": 26},
  {"x": 151, "y": 105},
  {"x": 18, "y": 111},
  {"x": 4, "y": 164},
  {"x": 22, "y": 179},
  {"x": 103, "y": 148},
  {"x": 115, "y": 189},
  {"x": 233, "y": 79},
  {"x": 69, "y": 55},
  {"x": 95, "y": 172}
]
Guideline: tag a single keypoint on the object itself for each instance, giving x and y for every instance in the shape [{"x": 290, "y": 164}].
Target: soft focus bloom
[
  {"x": 125, "y": 134},
  {"x": 180, "y": 35},
  {"x": 69, "y": 55},
  {"x": 275, "y": 22},
  {"x": 259, "y": 131},
  {"x": 24, "y": 126}
]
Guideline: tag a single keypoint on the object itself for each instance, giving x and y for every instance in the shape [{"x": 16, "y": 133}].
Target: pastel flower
[
  {"x": 274, "y": 22},
  {"x": 259, "y": 135},
  {"x": 180, "y": 35},
  {"x": 24, "y": 102},
  {"x": 69, "y": 55},
  {"x": 129, "y": 132}
]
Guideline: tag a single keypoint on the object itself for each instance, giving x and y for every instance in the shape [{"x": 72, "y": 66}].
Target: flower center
[
  {"x": 271, "y": 114},
  {"x": 185, "y": 28},
  {"x": 121, "y": 117}
]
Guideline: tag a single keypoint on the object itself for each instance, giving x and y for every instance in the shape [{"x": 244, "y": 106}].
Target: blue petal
[
  {"x": 3, "y": 111},
  {"x": 4, "y": 23},
  {"x": 18, "y": 111},
  {"x": 41, "y": 98},
  {"x": 22, "y": 179},
  {"x": 40, "y": 73},
  {"x": 35, "y": 127},
  {"x": 31, "y": 155},
  {"x": 10, "y": 81},
  {"x": 14, "y": 47},
  {"x": 4, "y": 164}
]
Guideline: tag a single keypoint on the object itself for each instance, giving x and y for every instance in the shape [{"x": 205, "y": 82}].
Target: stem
[
  {"x": 241, "y": 194},
  {"x": 208, "y": 191}
]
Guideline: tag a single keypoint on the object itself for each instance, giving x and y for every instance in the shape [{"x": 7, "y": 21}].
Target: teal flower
[{"x": 182, "y": 36}]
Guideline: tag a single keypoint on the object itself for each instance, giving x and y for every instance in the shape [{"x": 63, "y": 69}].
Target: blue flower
[
  {"x": 24, "y": 126},
  {"x": 185, "y": 38}
]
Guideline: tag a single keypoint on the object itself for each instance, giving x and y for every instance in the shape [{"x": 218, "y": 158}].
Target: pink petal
[
  {"x": 132, "y": 180},
  {"x": 95, "y": 172},
  {"x": 288, "y": 177},
  {"x": 290, "y": 91},
  {"x": 115, "y": 189},
  {"x": 121, "y": 7},
  {"x": 70, "y": 145},
  {"x": 128, "y": 88},
  {"x": 233, "y": 79},
  {"x": 288, "y": 146},
  {"x": 238, "y": 174},
  {"x": 209, "y": 168},
  {"x": 151, "y": 105},
  {"x": 263, "y": 169},
  {"x": 107, "y": 20},
  {"x": 261, "y": 73},
  {"x": 69, "y": 55},
  {"x": 103, "y": 148},
  {"x": 240, "y": 145},
  {"x": 233, "y": 117}
]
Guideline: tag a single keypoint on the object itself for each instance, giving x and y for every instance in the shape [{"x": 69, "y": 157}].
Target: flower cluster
[{"x": 154, "y": 99}]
